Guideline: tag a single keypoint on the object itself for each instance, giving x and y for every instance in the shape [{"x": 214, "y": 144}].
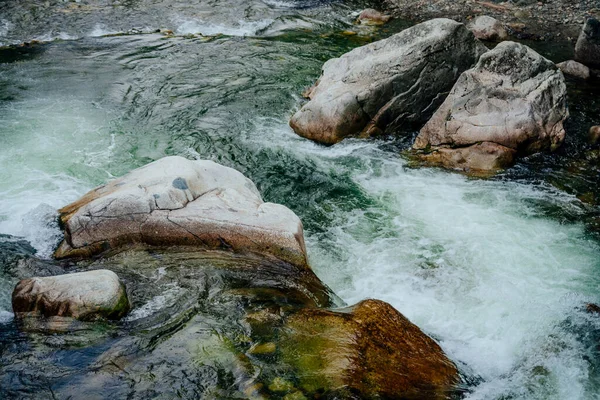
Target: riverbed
[{"x": 497, "y": 270}]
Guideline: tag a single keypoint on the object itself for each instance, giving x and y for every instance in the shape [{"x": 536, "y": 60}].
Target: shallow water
[{"x": 498, "y": 271}]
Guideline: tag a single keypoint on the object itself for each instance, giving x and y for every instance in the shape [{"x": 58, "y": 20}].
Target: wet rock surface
[
  {"x": 369, "y": 348},
  {"x": 84, "y": 295},
  {"x": 512, "y": 103},
  {"x": 191, "y": 330},
  {"x": 175, "y": 201},
  {"x": 387, "y": 85}
]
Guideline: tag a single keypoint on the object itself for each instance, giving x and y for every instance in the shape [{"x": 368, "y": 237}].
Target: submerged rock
[
  {"x": 175, "y": 201},
  {"x": 370, "y": 349},
  {"x": 513, "y": 102},
  {"x": 587, "y": 49},
  {"x": 388, "y": 84},
  {"x": 488, "y": 28},
  {"x": 575, "y": 69},
  {"x": 83, "y": 295},
  {"x": 370, "y": 16}
]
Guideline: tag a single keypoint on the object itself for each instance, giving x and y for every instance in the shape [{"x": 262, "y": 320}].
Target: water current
[{"x": 498, "y": 271}]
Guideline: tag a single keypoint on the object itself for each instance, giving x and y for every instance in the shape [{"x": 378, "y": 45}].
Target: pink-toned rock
[
  {"x": 387, "y": 85},
  {"x": 175, "y": 201},
  {"x": 512, "y": 103},
  {"x": 371, "y": 16},
  {"x": 575, "y": 69},
  {"x": 488, "y": 28},
  {"x": 83, "y": 295}
]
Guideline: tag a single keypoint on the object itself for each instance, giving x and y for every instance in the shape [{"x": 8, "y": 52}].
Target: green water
[{"x": 496, "y": 270}]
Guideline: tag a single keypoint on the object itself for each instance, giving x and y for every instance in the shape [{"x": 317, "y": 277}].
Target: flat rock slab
[
  {"x": 175, "y": 201},
  {"x": 83, "y": 295},
  {"x": 370, "y": 349},
  {"x": 389, "y": 84},
  {"x": 512, "y": 103}
]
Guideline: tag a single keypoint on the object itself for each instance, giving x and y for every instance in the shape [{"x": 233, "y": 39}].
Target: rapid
[{"x": 498, "y": 271}]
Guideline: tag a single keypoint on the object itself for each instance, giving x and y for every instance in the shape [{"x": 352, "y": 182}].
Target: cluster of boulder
[
  {"x": 478, "y": 110},
  {"x": 197, "y": 206}
]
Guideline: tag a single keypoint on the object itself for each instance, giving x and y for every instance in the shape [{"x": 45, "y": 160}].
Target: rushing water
[{"x": 498, "y": 271}]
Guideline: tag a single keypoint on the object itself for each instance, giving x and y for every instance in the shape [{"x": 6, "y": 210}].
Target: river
[{"x": 497, "y": 270}]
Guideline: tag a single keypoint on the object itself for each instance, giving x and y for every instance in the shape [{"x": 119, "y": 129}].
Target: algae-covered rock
[
  {"x": 83, "y": 295},
  {"x": 370, "y": 349},
  {"x": 175, "y": 201}
]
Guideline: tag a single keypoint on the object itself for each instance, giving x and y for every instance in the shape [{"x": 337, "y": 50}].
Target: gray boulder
[
  {"x": 83, "y": 295},
  {"x": 574, "y": 68},
  {"x": 587, "y": 49},
  {"x": 513, "y": 102},
  {"x": 388, "y": 84},
  {"x": 175, "y": 201},
  {"x": 488, "y": 28}
]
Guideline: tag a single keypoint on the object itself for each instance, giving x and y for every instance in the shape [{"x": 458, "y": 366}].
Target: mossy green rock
[{"x": 369, "y": 348}]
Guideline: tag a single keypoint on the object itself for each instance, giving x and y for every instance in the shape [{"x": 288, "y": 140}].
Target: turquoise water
[{"x": 498, "y": 271}]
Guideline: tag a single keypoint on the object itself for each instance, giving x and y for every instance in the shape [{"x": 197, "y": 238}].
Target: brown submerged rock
[
  {"x": 513, "y": 102},
  {"x": 175, "y": 201},
  {"x": 389, "y": 84},
  {"x": 83, "y": 295},
  {"x": 369, "y": 348}
]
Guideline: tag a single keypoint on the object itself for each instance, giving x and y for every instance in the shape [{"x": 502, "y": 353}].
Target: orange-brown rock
[{"x": 370, "y": 349}]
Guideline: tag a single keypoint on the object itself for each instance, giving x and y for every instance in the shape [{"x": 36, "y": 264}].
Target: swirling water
[{"x": 498, "y": 271}]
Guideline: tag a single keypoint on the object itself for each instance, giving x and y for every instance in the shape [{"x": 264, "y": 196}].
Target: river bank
[{"x": 526, "y": 19}]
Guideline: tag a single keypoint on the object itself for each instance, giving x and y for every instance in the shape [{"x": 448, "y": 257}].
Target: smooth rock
[
  {"x": 575, "y": 69},
  {"x": 389, "y": 84},
  {"x": 587, "y": 49},
  {"x": 488, "y": 28},
  {"x": 369, "y": 349},
  {"x": 371, "y": 16},
  {"x": 175, "y": 201},
  {"x": 512, "y": 103},
  {"x": 83, "y": 295},
  {"x": 594, "y": 135}
]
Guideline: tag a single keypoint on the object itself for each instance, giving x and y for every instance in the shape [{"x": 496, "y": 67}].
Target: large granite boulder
[
  {"x": 370, "y": 349},
  {"x": 83, "y": 295},
  {"x": 513, "y": 102},
  {"x": 388, "y": 84},
  {"x": 587, "y": 49},
  {"x": 175, "y": 201}
]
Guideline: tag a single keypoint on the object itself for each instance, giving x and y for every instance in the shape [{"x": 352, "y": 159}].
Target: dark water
[{"x": 496, "y": 270}]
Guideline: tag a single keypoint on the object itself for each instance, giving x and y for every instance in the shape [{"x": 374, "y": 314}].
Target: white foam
[
  {"x": 167, "y": 298},
  {"x": 6, "y": 316}
]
